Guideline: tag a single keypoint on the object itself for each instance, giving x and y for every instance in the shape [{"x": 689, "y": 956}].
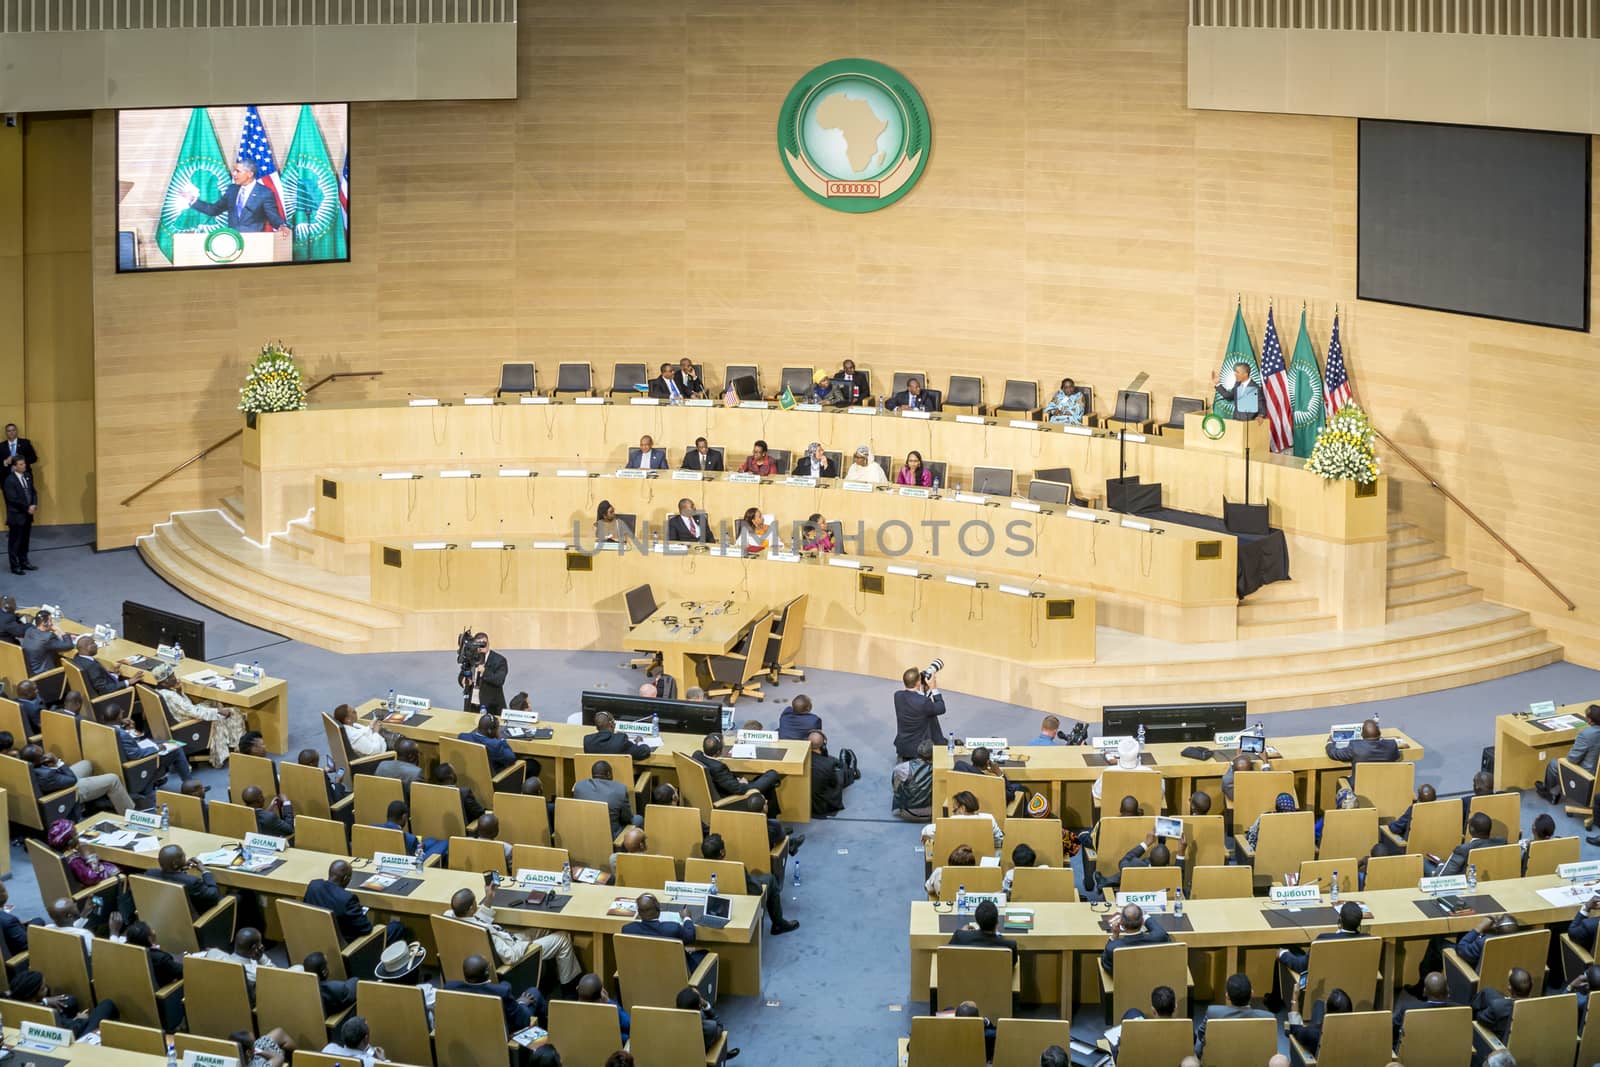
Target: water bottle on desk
[
  {"x": 951, "y": 742},
  {"x": 566, "y": 874},
  {"x": 419, "y": 858},
  {"x": 177, "y": 651},
  {"x": 1333, "y": 889},
  {"x": 1472, "y": 876},
  {"x": 166, "y": 819},
  {"x": 1141, "y": 734},
  {"x": 713, "y": 883},
  {"x": 255, "y": 669},
  {"x": 389, "y": 703},
  {"x": 1177, "y": 903},
  {"x": 655, "y": 725},
  {"x": 172, "y": 1053},
  {"x": 935, "y": 485},
  {"x": 961, "y": 899}
]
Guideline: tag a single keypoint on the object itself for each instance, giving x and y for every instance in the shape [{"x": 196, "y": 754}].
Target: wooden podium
[
  {"x": 1235, "y": 434},
  {"x": 272, "y": 246}
]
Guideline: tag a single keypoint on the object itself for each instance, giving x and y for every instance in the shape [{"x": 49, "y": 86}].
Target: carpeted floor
[{"x": 834, "y": 990}]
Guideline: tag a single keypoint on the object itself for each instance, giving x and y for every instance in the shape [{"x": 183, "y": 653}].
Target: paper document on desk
[
  {"x": 1563, "y": 896},
  {"x": 219, "y": 857},
  {"x": 1560, "y": 722},
  {"x": 652, "y": 743},
  {"x": 742, "y": 752},
  {"x": 118, "y": 839}
]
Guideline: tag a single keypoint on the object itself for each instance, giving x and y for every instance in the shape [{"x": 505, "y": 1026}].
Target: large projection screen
[{"x": 1475, "y": 220}]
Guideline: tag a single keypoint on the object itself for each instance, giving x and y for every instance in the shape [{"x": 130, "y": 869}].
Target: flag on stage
[
  {"x": 202, "y": 170},
  {"x": 311, "y": 193},
  {"x": 254, "y": 146},
  {"x": 1305, "y": 392},
  {"x": 1338, "y": 384},
  {"x": 1240, "y": 350},
  {"x": 1275, "y": 384},
  {"x": 344, "y": 191},
  {"x": 786, "y": 401}
]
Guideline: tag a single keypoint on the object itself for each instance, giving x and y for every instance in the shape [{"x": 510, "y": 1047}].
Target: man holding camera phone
[
  {"x": 917, "y": 708},
  {"x": 483, "y": 674}
]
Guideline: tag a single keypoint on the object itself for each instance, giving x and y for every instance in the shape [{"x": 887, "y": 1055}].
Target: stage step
[
  {"x": 1303, "y": 623},
  {"x": 234, "y": 507},
  {"x": 297, "y": 542},
  {"x": 1405, "y": 607},
  {"x": 1417, "y": 563},
  {"x": 1429, "y": 582}
]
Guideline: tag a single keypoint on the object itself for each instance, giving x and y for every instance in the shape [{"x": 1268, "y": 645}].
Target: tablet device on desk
[
  {"x": 719, "y": 910},
  {"x": 1252, "y": 745},
  {"x": 1344, "y": 733}
]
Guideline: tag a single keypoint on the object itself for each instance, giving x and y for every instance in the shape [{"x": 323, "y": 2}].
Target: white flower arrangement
[
  {"x": 1345, "y": 450},
  {"x": 273, "y": 383}
]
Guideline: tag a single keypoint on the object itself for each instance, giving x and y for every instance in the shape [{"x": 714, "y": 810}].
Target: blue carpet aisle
[{"x": 835, "y": 989}]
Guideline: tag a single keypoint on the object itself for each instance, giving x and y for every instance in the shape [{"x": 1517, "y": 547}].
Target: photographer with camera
[
  {"x": 917, "y": 708},
  {"x": 483, "y": 673}
]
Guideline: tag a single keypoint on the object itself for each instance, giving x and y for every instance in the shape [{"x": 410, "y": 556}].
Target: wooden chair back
[
  {"x": 789, "y": 632},
  {"x": 644, "y": 870},
  {"x": 1589, "y": 1040},
  {"x": 1347, "y": 963},
  {"x": 1221, "y": 882},
  {"x": 1435, "y": 827},
  {"x": 336, "y": 746},
  {"x": 1142, "y": 968},
  {"x": 471, "y": 763},
  {"x": 321, "y": 835},
  {"x": 214, "y": 1046},
  {"x": 366, "y": 840},
  {"x": 75, "y": 679},
  {"x": 59, "y": 735},
  {"x": 475, "y": 854},
  {"x": 1498, "y": 861},
  {"x": 1150, "y": 790},
  {"x": 12, "y": 722},
  {"x": 1388, "y": 787},
  {"x": 952, "y": 831},
  {"x": 50, "y": 871},
  {"x": 1504, "y": 811},
  {"x": 457, "y": 939},
  {"x": 122, "y": 975},
  {"x": 63, "y": 959},
  {"x": 468, "y": 1028},
  {"x": 13, "y": 666},
  {"x": 585, "y": 1033},
  {"x": 663, "y": 1036},
  {"x": 1543, "y": 1029},
  {"x": 246, "y": 770},
  {"x": 744, "y": 834},
  {"x": 1152, "y": 879},
  {"x": 214, "y": 995},
  {"x": 650, "y": 972},
  {"x": 524, "y": 820},
  {"x": 1394, "y": 872},
  {"x": 1256, "y": 793},
  {"x": 1041, "y": 835},
  {"x": 1020, "y": 1042},
  {"x": 945, "y": 1039},
  {"x": 307, "y": 929},
  {"x": 622, "y": 769},
  {"x": 292, "y": 1000},
  {"x": 133, "y": 1037},
  {"x": 673, "y": 830},
  {"x": 100, "y": 749},
  {"x": 730, "y": 873},
  {"x": 398, "y": 1019},
  {"x": 1233, "y": 1041},
  {"x": 981, "y": 975},
  {"x": 1040, "y": 884},
  {"x": 24, "y": 1012},
  {"x": 1527, "y": 949},
  {"x": 1286, "y": 840},
  {"x": 1160, "y": 1041},
  {"x": 232, "y": 820},
  {"x": 1357, "y": 1039},
  {"x": 186, "y": 811},
  {"x": 1438, "y": 1037},
  {"x": 165, "y": 906},
  {"x": 1348, "y": 832},
  {"x": 306, "y": 788},
  {"x": 989, "y": 789},
  {"x": 583, "y": 828},
  {"x": 1117, "y": 835},
  {"x": 693, "y": 784},
  {"x": 34, "y": 812},
  {"x": 1205, "y": 841},
  {"x": 537, "y": 858},
  {"x": 373, "y": 797},
  {"x": 1321, "y": 872},
  {"x": 436, "y": 811},
  {"x": 974, "y": 879},
  {"x": 1545, "y": 856}
]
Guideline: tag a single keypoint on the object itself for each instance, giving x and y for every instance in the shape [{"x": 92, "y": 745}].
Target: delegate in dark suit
[
  {"x": 724, "y": 783},
  {"x": 916, "y": 719},
  {"x": 12, "y": 628},
  {"x": 130, "y": 746},
  {"x": 18, "y": 446},
  {"x": 201, "y": 889},
  {"x": 1492, "y": 1008},
  {"x": 695, "y": 528},
  {"x": 689, "y": 385},
  {"x": 519, "y": 1016},
  {"x": 1224, "y": 1011},
  {"x": 1298, "y": 961},
  {"x": 670, "y": 930},
  {"x": 983, "y": 939},
  {"x": 21, "y": 496},
  {"x": 39, "y": 648},
  {"x": 97, "y": 677},
  {"x": 13, "y": 934},
  {"x": 926, "y": 400},
  {"x": 614, "y": 744},
  {"x": 614, "y": 795},
  {"x": 808, "y": 467},
  {"x": 1149, "y": 934},
  {"x": 348, "y": 914},
  {"x": 1370, "y": 747},
  {"x": 658, "y": 459},
  {"x": 709, "y": 460},
  {"x": 500, "y": 754},
  {"x": 258, "y": 212},
  {"x": 1461, "y": 855},
  {"x": 1400, "y": 1013}
]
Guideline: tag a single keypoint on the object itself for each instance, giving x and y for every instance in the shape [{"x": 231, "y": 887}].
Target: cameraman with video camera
[
  {"x": 483, "y": 673},
  {"x": 917, "y": 708}
]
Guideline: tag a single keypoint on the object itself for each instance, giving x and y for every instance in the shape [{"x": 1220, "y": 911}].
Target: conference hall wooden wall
[{"x": 1075, "y": 218}]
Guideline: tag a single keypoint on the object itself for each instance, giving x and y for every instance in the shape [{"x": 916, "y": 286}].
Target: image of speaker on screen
[{"x": 185, "y": 202}]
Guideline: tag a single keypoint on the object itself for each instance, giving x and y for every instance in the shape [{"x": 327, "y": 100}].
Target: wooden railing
[
  {"x": 1473, "y": 515},
  {"x": 204, "y": 452}
]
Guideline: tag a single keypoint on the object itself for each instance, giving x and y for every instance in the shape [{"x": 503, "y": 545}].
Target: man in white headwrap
[
  {"x": 1127, "y": 760},
  {"x": 862, "y": 469}
]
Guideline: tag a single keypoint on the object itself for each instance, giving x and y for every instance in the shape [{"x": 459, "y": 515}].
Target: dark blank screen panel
[{"x": 1474, "y": 220}]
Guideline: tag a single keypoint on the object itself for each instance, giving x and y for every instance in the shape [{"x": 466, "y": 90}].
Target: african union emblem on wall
[{"x": 854, "y": 135}]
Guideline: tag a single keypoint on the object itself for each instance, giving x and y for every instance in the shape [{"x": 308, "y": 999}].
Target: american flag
[
  {"x": 1275, "y": 383},
  {"x": 344, "y": 189},
  {"x": 1338, "y": 380},
  {"x": 254, "y": 146}
]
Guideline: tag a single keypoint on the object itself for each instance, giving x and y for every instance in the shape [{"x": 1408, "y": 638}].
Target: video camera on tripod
[{"x": 469, "y": 657}]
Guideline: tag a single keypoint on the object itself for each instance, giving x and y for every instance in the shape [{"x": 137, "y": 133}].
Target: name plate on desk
[
  {"x": 856, "y": 487},
  {"x": 916, "y": 491},
  {"x": 688, "y": 476},
  {"x": 631, "y": 472},
  {"x": 993, "y": 744},
  {"x": 1024, "y": 505},
  {"x": 1446, "y": 883},
  {"x": 265, "y": 842},
  {"x": 688, "y": 892},
  {"x": 590, "y": 400},
  {"x": 912, "y": 413},
  {"x": 634, "y": 729},
  {"x": 758, "y": 737},
  {"x": 571, "y": 472},
  {"x": 244, "y": 672},
  {"x": 513, "y": 717},
  {"x": 486, "y": 544},
  {"x": 971, "y": 498},
  {"x": 424, "y": 401},
  {"x": 700, "y": 402},
  {"x": 54, "y": 1036},
  {"x": 1078, "y": 431},
  {"x": 1138, "y": 438},
  {"x": 527, "y": 878},
  {"x": 207, "y": 1059},
  {"x": 1540, "y": 708},
  {"x": 1295, "y": 894},
  {"x": 745, "y": 478},
  {"x": 758, "y": 404},
  {"x": 515, "y": 472},
  {"x": 143, "y": 820},
  {"x": 1586, "y": 871},
  {"x": 779, "y": 557},
  {"x": 394, "y": 863},
  {"x": 534, "y": 400},
  {"x": 1110, "y": 743},
  {"x": 803, "y": 482},
  {"x": 478, "y": 401},
  {"x": 405, "y": 703},
  {"x": 974, "y": 899},
  {"x": 973, "y": 420},
  {"x": 167, "y": 653},
  {"x": 460, "y": 473},
  {"x": 645, "y": 401},
  {"x": 1081, "y": 515},
  {"x": 104, "y": 635},
  {"x": 1025, "y": 424},
  {"x": 808, "y": 407},
  {"x": 1151, "y": 900},
  {"x": 1136, "y": 524}
]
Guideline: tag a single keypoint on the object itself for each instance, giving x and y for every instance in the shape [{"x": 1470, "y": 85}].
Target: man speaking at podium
[{"x": 248, "y": 206}]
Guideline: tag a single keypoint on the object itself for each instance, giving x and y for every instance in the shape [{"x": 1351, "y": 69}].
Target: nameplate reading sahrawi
[
  {"x": 208, "y": 1059},
  {"x": 266, "y": 842},
  {"x": 1295, "y": 894}
]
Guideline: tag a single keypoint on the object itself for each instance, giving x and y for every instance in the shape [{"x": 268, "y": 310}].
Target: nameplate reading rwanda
[
  {"x": 53, "y": 1036},
  {"x": 1295, "y": 894}
]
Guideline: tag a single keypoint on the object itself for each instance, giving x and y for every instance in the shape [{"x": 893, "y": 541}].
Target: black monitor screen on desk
[
  {"x": 1174, "y": 722},
  {"x": 677, "y": 716},
  {"x": 152, "y": 626}
]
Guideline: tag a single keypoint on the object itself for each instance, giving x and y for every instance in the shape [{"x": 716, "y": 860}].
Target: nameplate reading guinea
[{"x": 143, "y": 820}]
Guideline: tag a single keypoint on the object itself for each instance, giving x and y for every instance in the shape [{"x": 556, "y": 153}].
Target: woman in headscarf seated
[
  {"x": 1284, "y": 803},
  {"x": 85, "y": 869},
  {"x": 863, "y": 469}
]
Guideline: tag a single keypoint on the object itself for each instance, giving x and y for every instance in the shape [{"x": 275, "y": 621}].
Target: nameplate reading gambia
[{"x": 394, "y": 863}]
